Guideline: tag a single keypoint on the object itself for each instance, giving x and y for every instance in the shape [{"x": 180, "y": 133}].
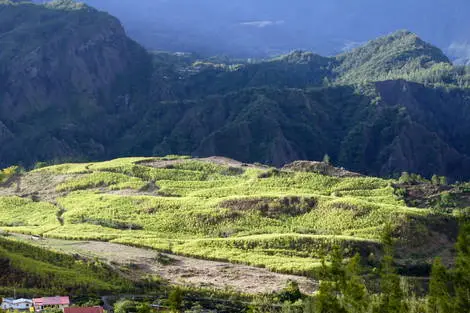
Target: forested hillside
[{"x": 74, "y": 86}]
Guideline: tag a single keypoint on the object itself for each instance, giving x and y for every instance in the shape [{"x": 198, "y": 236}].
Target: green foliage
[
  {"x": 398, "y": 55},
  {"x": 356, "y": 296},
  {"x": 291, "y": 293},
  {"x": 9, "y": 172},
  {"x": 175, "y": 299},
  {"x": 462, "y": 268},
  {"x": 391, "y": 296},
  {"x": 280, "y": 221},
  {"x": 26, "y": 266},
  {"x": 124, "y": 306},
  {"x": 439, "y": 299}
]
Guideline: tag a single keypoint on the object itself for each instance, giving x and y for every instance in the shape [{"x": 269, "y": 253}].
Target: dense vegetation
[
  {"x": 222, "y": 210},
  {"x": 369, "y": 109}
]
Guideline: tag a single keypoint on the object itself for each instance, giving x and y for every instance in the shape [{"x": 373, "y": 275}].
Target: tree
[
  {"x": 327, "y": 300},
  {"x": 326, "y": 159},
  {"x": 462, "y": 268},
  {"x": 391, "y": 297},
  {"x": 405, "y": 178},
  {"x": 443, "y": 181},
  {"x": 435, "y": 180},
  {"x": 439, "y": 300},
  {"x": 355, "y": 294},
  {"x": 333, "y": 278}
]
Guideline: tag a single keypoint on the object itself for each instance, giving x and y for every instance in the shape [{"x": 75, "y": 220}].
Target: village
[{"x": 46, "y": 304}]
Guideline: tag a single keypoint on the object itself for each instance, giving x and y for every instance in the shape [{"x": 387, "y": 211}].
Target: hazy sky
[{"x": 326, "y": 26}]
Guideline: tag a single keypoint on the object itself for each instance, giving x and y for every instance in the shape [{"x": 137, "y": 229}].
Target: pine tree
[
  {"x": 391, "y": 298},
  {"x": 355, "y": 294},
  {"x": 435, "y": 180},
  {"x": 333, "y": 277},
  {"x": 439, "y": 297},
  {"x": 327, "y": 300},
  {"x": 462, "y": 269},
  {"x": 326, "y": 159}
]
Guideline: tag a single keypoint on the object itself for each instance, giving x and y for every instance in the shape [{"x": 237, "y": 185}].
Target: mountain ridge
[{"x": 105, "y": 96}]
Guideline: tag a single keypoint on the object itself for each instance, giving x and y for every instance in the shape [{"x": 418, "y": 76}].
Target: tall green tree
[
  {"x": 462, "y": 269},
  {"x": 355, "y": 293},
  {"x": 332, "y": 278},
  {"x": 391, "y": 297},
  {"x": 439, "y": 300}
]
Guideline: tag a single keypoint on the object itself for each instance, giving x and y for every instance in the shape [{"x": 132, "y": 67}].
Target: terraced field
[{"x": 220, "y": 209}]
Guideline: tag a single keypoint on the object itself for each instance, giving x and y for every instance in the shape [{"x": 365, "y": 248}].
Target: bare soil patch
[
  {"x": 180, "y": 270},
  {"x": 37, "y": 186},
  {"x": 214, "y": 159}
]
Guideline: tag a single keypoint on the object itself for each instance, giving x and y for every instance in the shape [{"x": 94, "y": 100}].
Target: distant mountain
[
  {"x": 263, "y": 27},
  {"x": 73, "y": 85}
]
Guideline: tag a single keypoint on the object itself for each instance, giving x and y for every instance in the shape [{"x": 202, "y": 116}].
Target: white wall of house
[{"x": 16, "y": 304}]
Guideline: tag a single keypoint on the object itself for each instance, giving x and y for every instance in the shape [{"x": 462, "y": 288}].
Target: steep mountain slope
[
  {"x": 379, "y": 128},
  {"x": 64, "y": 68},
  {"x": 75, "y": 86}
]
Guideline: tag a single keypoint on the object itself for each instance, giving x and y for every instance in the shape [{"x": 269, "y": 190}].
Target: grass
[
  {"x": 239, "y": 214},
  {"x": 26, "y": 266}
]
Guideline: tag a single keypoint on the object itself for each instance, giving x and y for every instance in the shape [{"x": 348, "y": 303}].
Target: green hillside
[
  {"x": 221, "y": 209},
  {"x": 32, "y": 270},
  {"x": 73, "y": 86}
]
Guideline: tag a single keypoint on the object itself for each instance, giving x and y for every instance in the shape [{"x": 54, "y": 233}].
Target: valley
[{"x": 149, "y": 180}]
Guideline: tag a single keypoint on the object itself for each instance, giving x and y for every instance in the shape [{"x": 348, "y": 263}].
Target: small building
[
  {"x": 93, "y": 309},
  {"x": 16, "y": 304},
  {"x": 51, "y": 302}
]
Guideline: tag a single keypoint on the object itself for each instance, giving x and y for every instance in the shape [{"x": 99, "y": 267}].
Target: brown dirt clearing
[{"x": 181, "y": 270}]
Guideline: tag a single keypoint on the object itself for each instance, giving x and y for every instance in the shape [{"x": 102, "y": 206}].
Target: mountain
[
  {"x": 64, "y": 68},
  {"x": 263, "y": 28},
  {"x": 74, "y": 86},
  {"x": 302, "y": 106}
]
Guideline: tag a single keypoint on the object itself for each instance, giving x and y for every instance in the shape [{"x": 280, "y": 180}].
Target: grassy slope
[
  {"x": 281, "y": 220},
  {"x": 26, "y": 267}
]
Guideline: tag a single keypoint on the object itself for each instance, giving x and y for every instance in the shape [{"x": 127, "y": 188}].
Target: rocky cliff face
[
  {"x": 64, "y": 69},
  {"x": 433, "y": 138}
]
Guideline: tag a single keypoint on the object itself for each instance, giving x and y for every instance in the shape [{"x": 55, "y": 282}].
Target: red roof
[
  {"x": 95, "y": 309},
  {"x": 51, "y": 301}
]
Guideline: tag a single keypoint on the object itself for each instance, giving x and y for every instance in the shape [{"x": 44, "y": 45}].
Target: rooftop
[{"x": 51, "y": 301}]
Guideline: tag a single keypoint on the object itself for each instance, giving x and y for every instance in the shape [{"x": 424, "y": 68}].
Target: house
[
  {"x": 16, "y": 304},
  {"x": 94, "y": 309},
  {"x": 51, "y": 302}
]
